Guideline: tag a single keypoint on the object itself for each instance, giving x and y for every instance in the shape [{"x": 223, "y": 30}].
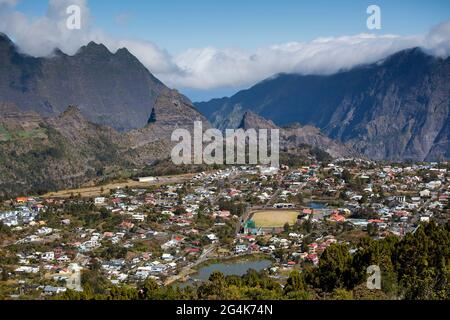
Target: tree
[
  {"x": 95, "y": 281},
  {"x": 214, "y": 287},
  {"x": 105, "y": 213},
  {"x": 372, "y": 229},
  {"x": 334, "y": 267},
  {"x": 295, "y": 283},
  {"x": 342, "y": 294},
  {"x": 150, "y": 290},
  {"x": 346, "y": 176},
  {"x": 5, "y": 275}
]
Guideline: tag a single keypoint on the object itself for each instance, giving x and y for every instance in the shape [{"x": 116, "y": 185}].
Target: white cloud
[
  {"x": 209, "y": 68},
  {"x": 40, "y": 36},
  {"x": 438, "y": 40}
]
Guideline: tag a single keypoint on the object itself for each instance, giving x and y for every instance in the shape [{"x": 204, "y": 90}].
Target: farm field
[
  {"x": 275, "y": 218},
  {"x": 100, "y": 190}
]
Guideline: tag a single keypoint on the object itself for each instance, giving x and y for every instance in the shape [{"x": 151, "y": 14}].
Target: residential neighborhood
[{"x": 168, "y": 232}]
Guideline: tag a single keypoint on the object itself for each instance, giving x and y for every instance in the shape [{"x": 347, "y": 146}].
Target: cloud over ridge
[{"x": 209, "y": 67}]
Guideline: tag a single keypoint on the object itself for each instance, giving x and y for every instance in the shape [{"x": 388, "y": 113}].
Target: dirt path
[{"x": 105, "y": 189}]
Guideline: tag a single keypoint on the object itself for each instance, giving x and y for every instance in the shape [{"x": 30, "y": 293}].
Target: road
[
  {"x": 185, "y": 271},
  {"x": 105, "y": 189}
]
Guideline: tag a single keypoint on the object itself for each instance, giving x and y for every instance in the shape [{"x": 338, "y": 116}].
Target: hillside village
[{"x": 167, "y": 232}]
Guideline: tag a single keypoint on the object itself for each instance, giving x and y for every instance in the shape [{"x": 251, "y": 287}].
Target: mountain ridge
[
  {"x": 294, "y": 136},
  {"x": 391, "y": 110},
  {"x": 113, "y": 89}
]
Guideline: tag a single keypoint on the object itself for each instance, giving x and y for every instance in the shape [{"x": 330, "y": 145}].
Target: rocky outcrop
[
  {"x": 296, "y": 135},
  {"x": 40, "y": 154}
]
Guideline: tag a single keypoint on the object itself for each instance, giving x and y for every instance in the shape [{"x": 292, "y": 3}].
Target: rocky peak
[
  {"x": 110, "y": 89},
  {"x": 172, "y": 108},
  {"x": 5, "y": 39},
  {"x": 72, "y": 114},
  {"x": 5, "y": 43},
  {"x": 123, "y": 52},
  {"x": 93, "y": 48},
  {"x": 71, "y": 110},
  {"x": 58, "y": 53},
  {"x": 253, "y": 121}
]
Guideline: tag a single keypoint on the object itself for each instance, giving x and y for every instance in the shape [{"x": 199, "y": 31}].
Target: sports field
[{"x": 275, "y": 218}]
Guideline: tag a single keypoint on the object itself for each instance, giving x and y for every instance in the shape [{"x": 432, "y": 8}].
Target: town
[{"x": 276, "y": 220}]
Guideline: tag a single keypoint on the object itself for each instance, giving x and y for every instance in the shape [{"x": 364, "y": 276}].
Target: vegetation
[{"x": 415, "y": 267}]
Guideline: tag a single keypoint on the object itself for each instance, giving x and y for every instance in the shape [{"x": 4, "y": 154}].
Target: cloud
[
  {"x": 210, "y": 68},
  {"x": 8, "y": 2},
  {"x": 438, "y": 40},
  {"x": 40, "y": 36}
]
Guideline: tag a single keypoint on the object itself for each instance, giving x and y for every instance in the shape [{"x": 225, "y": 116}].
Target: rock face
[
  {"x": 171, "y": 111},
  {"x": 111, "y": 89},
  {"x": 44, "y": 145},
  {"x": 296, "y": 135},
  {"x": 40, "y": 154},
  {"x": 253, "y": 121},
  {"x": 397, "y": 109}
]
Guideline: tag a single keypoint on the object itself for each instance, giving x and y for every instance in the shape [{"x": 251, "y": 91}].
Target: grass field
[{"x": 274, "y": 218}]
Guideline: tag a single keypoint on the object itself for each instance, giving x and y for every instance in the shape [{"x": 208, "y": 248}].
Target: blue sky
[
  {"x": 180, "y": 24},
  {"x": 209, "y": 48}
]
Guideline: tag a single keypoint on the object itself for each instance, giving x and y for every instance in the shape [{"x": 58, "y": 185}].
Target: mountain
[
  {"x": 251, "y": 120},
  {"x": 396, "y": 109},
  {"x": 171, "y": 111},
  {"x": 38, "y": 154},
  {"x": 296, "y": 135},
  {"x": 123, "y": 119},
  {"x": 114, "y": 89}
]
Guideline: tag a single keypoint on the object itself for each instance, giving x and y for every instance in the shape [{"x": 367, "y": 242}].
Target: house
[
  {"x": 50, "y": 290},
  {"x": 127, "y": 225},
  {"x": 146, "y": 179},
  {"x": 167, "y": 257},
  {"x": 26, "y": 269},
  {"x": 212, "y": 237},
  {"x": 48, "y": 256},
  {"x": 22, "y": 200},
  {"x": 99, "y": 200},
  {"x": 240, "y": 249},
  {"x": 313, "y": 258},
  {"x": 337, "y": 217},
  {"x": 312, "y": 247},
  {"x": 283, "y": 205}
]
